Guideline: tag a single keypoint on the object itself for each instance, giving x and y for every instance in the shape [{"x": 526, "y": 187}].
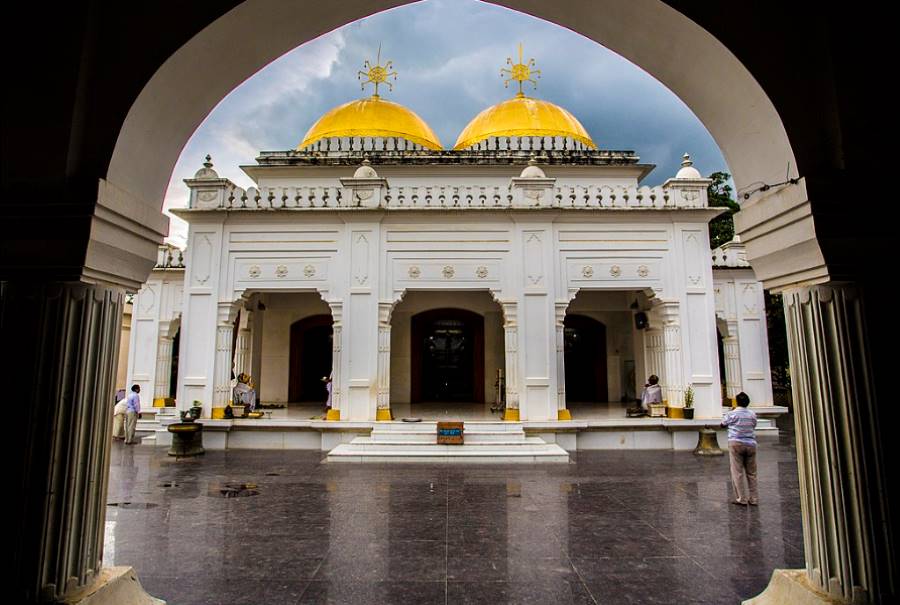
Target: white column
[
  {"x": 242, "y": 359},
  {"x": 563, "y": 412},
  {"x": 842, "y": 469},
  {"x": 337, "y": 382},
  {"x": 511, "y": 337},
  {"x": 731, "y": 347},
  {"x": 222, "y": 371},
  {"x": 384, "y": 361},
  {"x": 673, "y": 380},
  {"x": 65, "y": 343},
  {"x": 163, "y": 368}
]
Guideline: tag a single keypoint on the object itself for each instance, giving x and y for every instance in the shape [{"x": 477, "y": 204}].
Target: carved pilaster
[
  {"x": 673, "y": 379},
  {"x": 223, "y": 362},
  {"x": 64, "y": 340},
  {"x": 336, "y": 377},
  {"x": 511, "y": 338},
  {"x": 731, "y": 346},
  {"x": 243, "y": 344},
  {"x": 384, "y": 360},
  {"x": 163, "y": 367},
  {"x": 562, "y": 412},
  {"x": 846, "y": 516}
]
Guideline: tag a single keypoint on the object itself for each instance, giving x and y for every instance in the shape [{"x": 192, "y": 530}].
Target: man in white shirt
[{"x": 132, "y": 412}]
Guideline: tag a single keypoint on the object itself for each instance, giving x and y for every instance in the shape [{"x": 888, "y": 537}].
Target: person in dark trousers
[{"x": 741, "y": 423}]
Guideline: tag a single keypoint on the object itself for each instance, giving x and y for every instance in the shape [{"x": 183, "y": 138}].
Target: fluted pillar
[
  {"x": 163, "y": 369},
  {"x": 384, "y": 361},
  {"x": 242, "y": 360},
  {"x": 511, "y": 338},
  {"x": 222, "y": 391},
  {"x": 731, "y": 347},
  {"x": 563, "y": 413},
  {"x": 846, "y": 521},
  {"x": 673, "y": 376},
  {"x": 62, "y": 341},
  {"x": 337, "y": 383}
]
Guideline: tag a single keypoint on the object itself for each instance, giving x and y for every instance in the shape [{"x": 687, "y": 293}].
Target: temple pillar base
[
  {"x": 383, "y": 414},
  {"x": 333, "y": 415},
  {"x": 511, "y": 415},
  {"x": 114, "y": 586},
  {"x": 564, "y": 414},
  {"x": 792, "y": 587}
]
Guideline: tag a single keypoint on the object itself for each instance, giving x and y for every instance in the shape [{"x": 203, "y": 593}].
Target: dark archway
[
  {"x": 585, "y": 359},
  {"x": 310, "y": 358},
  {"x": 173, "y": 375},
  {"x": 723, "y": 379},
  {"x": 447, "y": 361}
]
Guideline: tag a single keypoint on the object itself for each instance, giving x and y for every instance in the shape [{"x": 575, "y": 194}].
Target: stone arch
[{"x": 687, "y": 59}]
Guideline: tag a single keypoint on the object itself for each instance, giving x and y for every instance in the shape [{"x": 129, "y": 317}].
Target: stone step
[
  {"x": 507, "y": 442},
  {"x": 431, "y": 426},
  {"x": 527, "y": 449},
  {"x": 431, "y": 436}
]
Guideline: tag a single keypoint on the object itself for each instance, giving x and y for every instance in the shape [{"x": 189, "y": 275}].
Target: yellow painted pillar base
[
  {"x": 675, "y": 412},
  {"x": 333, "y": 415},
  {"x": 564, "y": 414},
  {"x": 511, "y": 415},
  {"x": 163, "y": 402},
  {"x": 218, "y": 413},
  {"x": 382, "y": 414},
  {"x": 733, "y": 403}
]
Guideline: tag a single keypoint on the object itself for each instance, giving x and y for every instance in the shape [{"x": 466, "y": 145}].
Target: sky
[{"x": 448, "y": 54}]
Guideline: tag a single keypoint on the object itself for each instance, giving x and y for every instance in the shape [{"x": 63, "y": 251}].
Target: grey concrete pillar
[
  {"x": 62, "y": 342},
  {"x": 846, "y": 522}
]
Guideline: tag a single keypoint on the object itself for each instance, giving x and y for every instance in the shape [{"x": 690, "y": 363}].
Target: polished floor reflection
[{"x": 611, "y": 527}]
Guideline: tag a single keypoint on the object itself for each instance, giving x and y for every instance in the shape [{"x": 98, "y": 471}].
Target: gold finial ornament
[
  {"x": 520, "y": 72},
  {"x": 377, "y": 74}
]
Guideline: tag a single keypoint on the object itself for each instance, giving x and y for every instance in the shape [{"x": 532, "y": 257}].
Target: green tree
[{"x": 721, "y": 228}]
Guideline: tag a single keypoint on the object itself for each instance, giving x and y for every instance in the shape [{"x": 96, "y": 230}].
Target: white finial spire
[
  {"x": 687, "y": 169},
  {"x": 207, "y": 171}
]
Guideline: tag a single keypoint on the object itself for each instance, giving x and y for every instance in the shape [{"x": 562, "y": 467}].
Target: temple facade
[{"x": 523, "y": 274}]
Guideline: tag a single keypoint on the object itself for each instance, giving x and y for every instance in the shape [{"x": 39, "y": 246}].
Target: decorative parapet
[
  {"x": 169, "y": 257},
  {"x": 424, "y": 197},
  {"x": 730, "y": 255}
]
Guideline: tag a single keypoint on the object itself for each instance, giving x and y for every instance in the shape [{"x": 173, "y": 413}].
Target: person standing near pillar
[
  {"x": 741, "y": 423},
  {"x": 132, "y": 413}
]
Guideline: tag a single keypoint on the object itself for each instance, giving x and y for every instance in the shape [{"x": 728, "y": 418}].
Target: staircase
[{"x": 485, "y": 442}]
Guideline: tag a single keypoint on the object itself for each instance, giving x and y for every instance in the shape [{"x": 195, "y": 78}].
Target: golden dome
[
  {"x": 523, "y": 116},
  {"x": 372, "y": 117}
]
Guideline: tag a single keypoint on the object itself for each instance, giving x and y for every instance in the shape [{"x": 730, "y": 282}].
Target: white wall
[{"x": 416, "y": 302}]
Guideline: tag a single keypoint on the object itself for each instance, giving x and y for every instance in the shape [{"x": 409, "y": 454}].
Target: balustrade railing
[{"x": 416, "y": 197}]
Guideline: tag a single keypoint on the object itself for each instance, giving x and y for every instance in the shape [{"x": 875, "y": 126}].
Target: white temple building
[{"x": 522, "y": 276}]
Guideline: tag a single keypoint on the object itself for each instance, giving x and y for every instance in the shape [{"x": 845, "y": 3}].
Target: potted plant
[
  {"x": 196, "y": 409},
  {"x": 689, "y": 403}
]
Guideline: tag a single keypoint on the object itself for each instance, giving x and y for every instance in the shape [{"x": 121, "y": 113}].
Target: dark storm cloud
[{"x": 448, "y": 55}]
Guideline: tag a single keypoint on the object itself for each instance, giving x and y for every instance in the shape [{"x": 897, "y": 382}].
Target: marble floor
[{"x": 260, "y": 527}]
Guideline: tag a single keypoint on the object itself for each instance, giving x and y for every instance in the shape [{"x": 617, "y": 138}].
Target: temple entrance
[
  {"x": 310, "y": 358},
  {"x": 173, "y": 373},
  {"x": 447, "y": 356},
  {"x": 585, "y": 359}
]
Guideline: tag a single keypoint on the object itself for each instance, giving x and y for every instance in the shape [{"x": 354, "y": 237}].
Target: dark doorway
[
  {"x": 585, "y": 359},
  {"x": 723, "y": 380},
  {"x": 173, "y": 372},
  {"x": 310, "y": 358},
  {"x": 447, "y": 356}
]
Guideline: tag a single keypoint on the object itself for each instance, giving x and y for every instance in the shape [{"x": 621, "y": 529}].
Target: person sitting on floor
[
  {"x": 244, "y": 393},
  {"x": 652, "y": 394}
]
